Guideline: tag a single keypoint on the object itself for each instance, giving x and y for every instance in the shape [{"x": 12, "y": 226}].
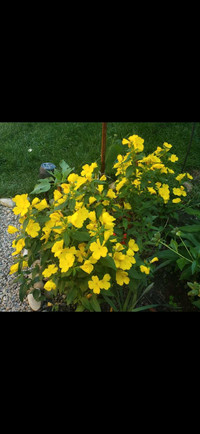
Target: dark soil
[{"x": 170, "y": 293}]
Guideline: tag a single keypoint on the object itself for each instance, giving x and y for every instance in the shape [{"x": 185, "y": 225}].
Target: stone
[
  {"x": 188, "y": 186},
  {"x": 34, "y": 305},
  {"x": 7, "y": 202}
]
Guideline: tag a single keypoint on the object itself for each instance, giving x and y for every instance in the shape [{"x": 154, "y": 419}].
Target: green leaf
[
  {"x": 190, "y": 228},
  {"x": 85, "y": 302},
  {"x": 66, "y": 169},
  {"x": 66, "y": 239},
  {"x": 135, "y": 275},
  {"x": 194, "y": 266},
  {"x": 129, "y": 171},
  {"x": 140, "y": 309},
  {"x": 99, "y": 210},
  {"x": 181, "y": 262},
  {"x": 196, "y": 303},
  {"x": 192, "y": 238},
  {"x": 192, "y": 211},
  {"x": 71, "y": 295},
  {"x": 174, "y": 245},
  {"x": 108, "y": 262},
  {"x": 22, "y": 291},
  {"x": 95, "y": 304},
  {"x": 80, "y": 308},
  {"x": 167, "y": 254},
  {"x": 37, "y": 294},
  {"x": 186, "y": 273},
  {"x": 110, "y": 302},
  {"x": 81, "y": 236},
  {"x": 42, "y": 187}
]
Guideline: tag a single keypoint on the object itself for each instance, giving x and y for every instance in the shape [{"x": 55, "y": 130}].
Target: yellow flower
[
  {"x": 158, "y": 184},
  {"x": 66, "y": 188},
  {"x": 51, "y": 269},
  {"x": 98, "y": 250},
  {"x": 88, "y": 170},
  {"x": 80, "y": 253},
  {"x": 151, "y": 190},
  {"x": 136, "y": 183},
  {"x": 87, "y": 267},
  {"x": 35, "y": 201},
  {"x": 118, "y": 247},
  {"x": 189, "y": 176},
  {"x": 180, "y": 177},
  {"x": 49, "y": 285},
  {"x": 127, "y": 205},
  {"x": 111, "y": 194},
  {"x": 104, "y": 283},
  {"x": 130, "y": 252},
  {"x": 121, "y": 184},
  {"x": 47, "y": 230},
  {"x": 173, "y": 158},
  {"x": 179, "y": 191},
  {"x": 100, "y": 188},
  {"x": 157, "y": 166},
  {"x": 164, "y": 192},
  {"x": 66, "y": 261},
  {"x": 123, "y": 261},
  {"x": 135, "y": 142},
  {"x": 12, "y": 229},
  {"x": 177, "y": 200},
  {"x": 78, "y": 218},
  {"x": 125, "y": 142},
  {"x": 103, "y": 178},
  {"x": 107, "y": 220},
  {"x": 95, "y": 284},
  {"x": 122, "y": 277},
  {"x": 72, "y": 178},
  {"x": 57, "y": 195},
  {"x": 106, "y": 202},
  {"x": 55, "y": 218},
  {"x": 92, "y": 199},
  {"x": 14, "y": 268},
  {"x": 22, "y": 204},
  {"x": 41, "y": 205},
  {"x": 167, "y": 145},
  {"x": 19, "y": 245},
  {"x": 133, "y": 246},
  {"x": 57, "y": 248},
  {"x": 107, "y": 234},
  {"x": 144, "y": 269},
  {"x": 154, "y": 260},
  {"x": 32, "y": 228}
]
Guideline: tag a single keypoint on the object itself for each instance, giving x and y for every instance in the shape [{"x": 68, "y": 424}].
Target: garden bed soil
[{"x": 170, "y": 293}]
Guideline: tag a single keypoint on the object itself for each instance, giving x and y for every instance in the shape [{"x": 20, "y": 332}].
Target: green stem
[
  {"x": 175, "y": 251},
  {"x": 186, "y": 248}
]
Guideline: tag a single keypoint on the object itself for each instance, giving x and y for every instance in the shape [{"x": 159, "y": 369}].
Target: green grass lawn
[{"x": 78, "y": 143}]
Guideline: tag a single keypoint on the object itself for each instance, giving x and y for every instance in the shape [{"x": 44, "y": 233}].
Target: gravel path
[{"x": 9, "y": 291}]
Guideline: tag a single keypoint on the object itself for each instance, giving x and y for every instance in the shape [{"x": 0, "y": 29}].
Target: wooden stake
[{"x": 103, "y": 146}]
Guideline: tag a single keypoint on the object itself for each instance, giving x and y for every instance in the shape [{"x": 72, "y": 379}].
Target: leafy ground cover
[{"x": 25, "y": 146}]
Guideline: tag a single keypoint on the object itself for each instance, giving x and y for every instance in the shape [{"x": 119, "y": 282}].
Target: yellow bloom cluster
[{"x": 151, "y": 169}]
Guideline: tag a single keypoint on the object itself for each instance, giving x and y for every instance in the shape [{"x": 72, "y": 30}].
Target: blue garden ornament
[{"x": 45, "y": 168}]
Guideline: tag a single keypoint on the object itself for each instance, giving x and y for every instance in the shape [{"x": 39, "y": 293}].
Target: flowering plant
[
  {"x": 81, "y": 244},
  {"x": 149, "y": 177}
]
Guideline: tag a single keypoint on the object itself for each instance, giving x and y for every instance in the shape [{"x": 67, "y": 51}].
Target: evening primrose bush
[{"x": 88, "y": 243}]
